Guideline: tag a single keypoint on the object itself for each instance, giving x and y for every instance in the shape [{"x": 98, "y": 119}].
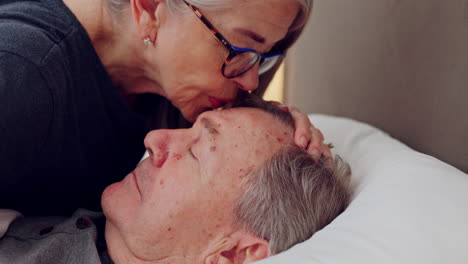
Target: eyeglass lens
[{"x": 244, "y": 61}]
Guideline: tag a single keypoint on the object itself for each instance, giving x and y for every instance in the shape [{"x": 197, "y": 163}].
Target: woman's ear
[
  {"x": 242, "y": 248},
  {"x": 147, "y": 17}
]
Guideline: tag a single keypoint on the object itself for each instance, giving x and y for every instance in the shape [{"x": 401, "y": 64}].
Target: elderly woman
[{"x": 83, "y": 81}]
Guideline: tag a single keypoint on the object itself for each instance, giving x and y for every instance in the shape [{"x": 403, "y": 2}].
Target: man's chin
[
  {"x": 120, "y": 197},
  {"x": 106, "y": 197}
]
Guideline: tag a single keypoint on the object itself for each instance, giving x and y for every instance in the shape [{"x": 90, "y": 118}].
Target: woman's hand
[{"x": 307, "y": 136}]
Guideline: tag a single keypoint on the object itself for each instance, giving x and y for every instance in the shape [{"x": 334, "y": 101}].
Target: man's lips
[
  {"x": 218, "y": 102},
  {"x": 135, "y": 179}
]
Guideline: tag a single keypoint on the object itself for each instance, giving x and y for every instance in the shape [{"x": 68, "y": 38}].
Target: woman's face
[{"x": 186, "y": 59}]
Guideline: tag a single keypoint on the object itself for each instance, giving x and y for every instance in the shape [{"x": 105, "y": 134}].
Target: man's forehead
[
  {"x": 250, "y": 134},
  {"x": 257, "y": 117}
]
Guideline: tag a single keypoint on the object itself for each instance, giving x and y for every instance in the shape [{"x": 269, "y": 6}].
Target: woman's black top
[{"x": 65, "y": 132}]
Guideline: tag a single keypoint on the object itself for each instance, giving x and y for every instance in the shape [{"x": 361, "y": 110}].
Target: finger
[
  {"x": 317, "y": 135},
  {"x": 316, "y": 147},
  {"x": 314, "y": 152},
  {"x": 316, "y": 139},
  {"x": 317, "y": 152},
  {"x": 302, "y": 133},
  {"x": 327, "y": 152}
]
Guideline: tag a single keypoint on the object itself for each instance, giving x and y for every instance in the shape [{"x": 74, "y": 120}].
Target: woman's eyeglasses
[{"x": 240, "y": 60}]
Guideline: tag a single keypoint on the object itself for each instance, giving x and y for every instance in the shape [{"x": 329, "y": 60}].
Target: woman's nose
[
  {"x": 249, "y": 80},
  {"x": 157, "y": 145}
]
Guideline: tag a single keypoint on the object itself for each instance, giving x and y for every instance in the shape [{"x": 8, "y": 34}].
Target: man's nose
[
  {"x": 249, "y": 80},
  {"x": 157, "y": 145}
]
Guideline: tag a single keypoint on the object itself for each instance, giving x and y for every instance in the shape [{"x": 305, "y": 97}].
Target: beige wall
[
  {"x": 275, "y": 90},
  {"x": 401, "y": 65}
]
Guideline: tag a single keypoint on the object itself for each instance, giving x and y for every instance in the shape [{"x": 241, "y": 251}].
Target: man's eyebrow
[
  {"x": 210, "y": 125},
  {"x": 251, "y": 35}
]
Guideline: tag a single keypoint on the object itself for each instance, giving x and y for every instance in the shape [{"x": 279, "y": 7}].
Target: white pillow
[{"x": 408, "y": 207}]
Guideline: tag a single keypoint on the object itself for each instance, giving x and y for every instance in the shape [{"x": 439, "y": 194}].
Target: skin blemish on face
[
  {"x": 177, "y": 156},
  {"x": 213, "y": 148},
  {"x": 162, "y": 157},
  {"x": 169, "y": 229},
  {"x": 236, "y": 146},
  {"x": 161, "y": 182},
  {"x": 162, "y": 154},
  {"x": 280, "y": 140},
  {"x": 162, "y": 146}
]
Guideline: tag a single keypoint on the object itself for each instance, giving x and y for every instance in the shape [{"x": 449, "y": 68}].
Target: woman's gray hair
[
  {"x": 290, "y": 197},
  {"x": 305, "y": 8}
]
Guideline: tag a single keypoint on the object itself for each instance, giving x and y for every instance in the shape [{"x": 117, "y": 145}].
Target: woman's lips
[{"x": 218, "y": 102}]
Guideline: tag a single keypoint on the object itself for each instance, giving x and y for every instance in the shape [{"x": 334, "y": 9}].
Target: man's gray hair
[{"x": 290, "y": 196}]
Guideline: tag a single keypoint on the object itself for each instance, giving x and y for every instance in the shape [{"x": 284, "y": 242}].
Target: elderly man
[{"x": 232, "y": 189}]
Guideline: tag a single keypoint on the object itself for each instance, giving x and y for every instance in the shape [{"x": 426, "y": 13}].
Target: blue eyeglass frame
[{"x": 233, "y": 50}]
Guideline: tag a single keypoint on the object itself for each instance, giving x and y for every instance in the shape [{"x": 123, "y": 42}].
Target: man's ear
[
  {"x": 147, "y": 15},
  {"x": 240, "y": 248}
]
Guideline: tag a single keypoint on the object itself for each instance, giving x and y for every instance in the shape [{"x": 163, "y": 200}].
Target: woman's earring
[{"x": 148, "y": 41}]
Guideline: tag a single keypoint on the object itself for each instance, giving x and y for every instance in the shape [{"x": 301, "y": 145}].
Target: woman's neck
[{"x": 114, "y": 43}]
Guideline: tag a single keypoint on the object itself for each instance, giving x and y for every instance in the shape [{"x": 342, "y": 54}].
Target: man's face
[{"x": 180, "y": 198}]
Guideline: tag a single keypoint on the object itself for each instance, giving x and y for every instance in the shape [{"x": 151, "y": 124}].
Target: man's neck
[{"x": 120, "y": 253}]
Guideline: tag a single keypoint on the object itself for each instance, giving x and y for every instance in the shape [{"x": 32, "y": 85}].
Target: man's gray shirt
[{"x": 37, "y": 240}]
